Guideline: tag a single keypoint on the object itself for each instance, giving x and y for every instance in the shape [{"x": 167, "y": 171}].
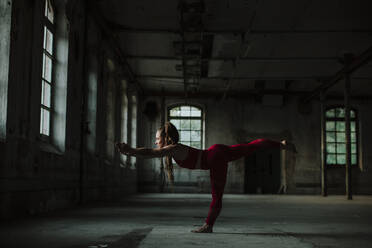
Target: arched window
[
  {"x": 47, "y": 72},
  {"x": 336, "y": 138},
  {"x": 188, "y": 120}
]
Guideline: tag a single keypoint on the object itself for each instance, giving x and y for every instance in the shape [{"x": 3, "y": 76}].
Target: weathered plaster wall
[
  {"x": 74, "y": 167},
  {"x": 234, "y": 121}
]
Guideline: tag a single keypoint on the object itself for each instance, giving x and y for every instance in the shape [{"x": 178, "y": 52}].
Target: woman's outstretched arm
[{"x": 145, "y": 152}]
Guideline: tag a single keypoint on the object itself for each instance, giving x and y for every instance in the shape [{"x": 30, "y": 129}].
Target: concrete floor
[{"x": 165, "y": 220}]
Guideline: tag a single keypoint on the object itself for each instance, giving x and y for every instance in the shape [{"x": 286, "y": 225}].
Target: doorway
[{"x": 262, "y": 172}]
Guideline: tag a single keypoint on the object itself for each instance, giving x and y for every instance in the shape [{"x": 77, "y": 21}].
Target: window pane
[
  {"x": 185, "y": 111},
  {"x": 45, "y": 94},
  {"x": 341, "y": 159},
  {"x": 185, "y": 108},
  {"x": 354, "y": 159},
  {"x": 340, "y": 126},
  {"x": 176, "y": 123},
  {"x": 330, "y": 113},
  {"x": 48, "y": 40},
  {"x": 353, "y": 148},
  {"x": 331, "y": 159},
  {"x": 352, "y": 113},
  {"x": 195, "y": 124},
  {"x": 352, "y": 126},
  {"x": 196, "y": 145},
  {"x": 331, "y": 137},
  {"x": 331, "y": 148},
  {"x": 195, "y": 112},
  {"x": 340, "y": 112},
  {"x": 47, "y": 68},
  {"x": 187, "y": 143},
  {"x": 353, "y": 136},
  {"x": 185, "y": 136},
  {"x": 341, "y": 148},
  {"x": 175, "y": 111},
  {"x": 44, "y": 121},
  {"x": 340, "y": 137},
  {"x": 185, "y": 124},
  {"x": 330, "y": 126},
  {"x": 41, "y": 121},
  {"x": 49, "y": 13},
  {"x": 195, "y": 136}
]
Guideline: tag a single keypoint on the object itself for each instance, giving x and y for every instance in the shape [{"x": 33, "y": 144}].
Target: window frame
[
  {"x": 201, "y": 118},
  {"x": 357, "y": 138},
  {"x": 51, "y": 26}
]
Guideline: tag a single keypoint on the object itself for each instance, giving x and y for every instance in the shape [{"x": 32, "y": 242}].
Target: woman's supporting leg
[
  {"x": 218, "y": 180},
  {"x": 217, "y": 160}
]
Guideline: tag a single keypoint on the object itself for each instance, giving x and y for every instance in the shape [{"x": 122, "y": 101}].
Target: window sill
[
  {"x": 49, "y": 148},
  {"x": 341, "y": 166},
  {"x": 128, "y": 165}
]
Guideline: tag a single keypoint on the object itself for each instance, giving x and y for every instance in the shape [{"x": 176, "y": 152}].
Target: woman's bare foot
[
  {"x": 203, "y": 229},
  {"x": 288, "y": 146}
]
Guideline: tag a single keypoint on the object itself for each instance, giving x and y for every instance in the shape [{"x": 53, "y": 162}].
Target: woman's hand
[{"x": 123, "y": 148}]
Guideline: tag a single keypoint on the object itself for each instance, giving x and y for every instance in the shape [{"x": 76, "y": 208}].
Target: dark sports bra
[{"x": 192, "y": 158}]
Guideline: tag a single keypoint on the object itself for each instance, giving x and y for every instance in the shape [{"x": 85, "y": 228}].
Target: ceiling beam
[
  {"x": 123, "y": 29},
  {"x": 236, "y": 77},
  {"x": 241, "y": 93},
  {"x": 315, "y": 78},
  {"x": 245, "y": 93},
  {"x": 349, "y": 68},
  {"x": 262, "y": 59}
]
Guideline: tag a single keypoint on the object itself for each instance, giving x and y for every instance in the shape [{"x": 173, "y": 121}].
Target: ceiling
[{"x": 236, "y": 46}]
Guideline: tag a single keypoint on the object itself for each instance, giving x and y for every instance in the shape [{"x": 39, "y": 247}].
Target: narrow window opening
[{"x": 47, "y": 80}]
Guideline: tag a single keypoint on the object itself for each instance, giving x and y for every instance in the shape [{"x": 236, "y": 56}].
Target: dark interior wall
[
  {"x": 234, "y": 121},
  {"x": 38, "y": 176}
]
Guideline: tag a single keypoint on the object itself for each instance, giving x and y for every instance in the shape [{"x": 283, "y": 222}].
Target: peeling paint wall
[
  {"x": 235, "y": 121},
  {"x": 74, "y": 167}
]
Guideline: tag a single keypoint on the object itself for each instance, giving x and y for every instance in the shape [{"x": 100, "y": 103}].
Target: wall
[
  {"x": 72, "y": 168},
  {"x": 234, "y": 121}
]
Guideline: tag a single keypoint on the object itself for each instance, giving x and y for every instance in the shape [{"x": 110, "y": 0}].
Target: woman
[{"x": 214, "y": 159}]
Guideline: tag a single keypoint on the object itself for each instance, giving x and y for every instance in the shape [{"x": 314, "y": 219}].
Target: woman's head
[{"x": 167, "y": 135}]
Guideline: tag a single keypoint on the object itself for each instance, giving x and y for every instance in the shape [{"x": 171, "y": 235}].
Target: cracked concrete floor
[{"x": 165, "y": 220}]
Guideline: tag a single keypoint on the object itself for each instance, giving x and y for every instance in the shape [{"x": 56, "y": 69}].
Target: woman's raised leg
[{"x": 241, "y": 150}]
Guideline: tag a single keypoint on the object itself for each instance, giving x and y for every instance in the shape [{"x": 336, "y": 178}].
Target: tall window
[
  {"x": 134, "y": 126},
  {"x": 189, "y": 122},
  {"x": 336, "y": 138},
  {"x": 47, "y": 71},
  {"x": 124, "y": 117}
]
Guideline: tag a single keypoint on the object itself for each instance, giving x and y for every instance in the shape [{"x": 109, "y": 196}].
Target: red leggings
[{"x": 217, "y": 158}]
